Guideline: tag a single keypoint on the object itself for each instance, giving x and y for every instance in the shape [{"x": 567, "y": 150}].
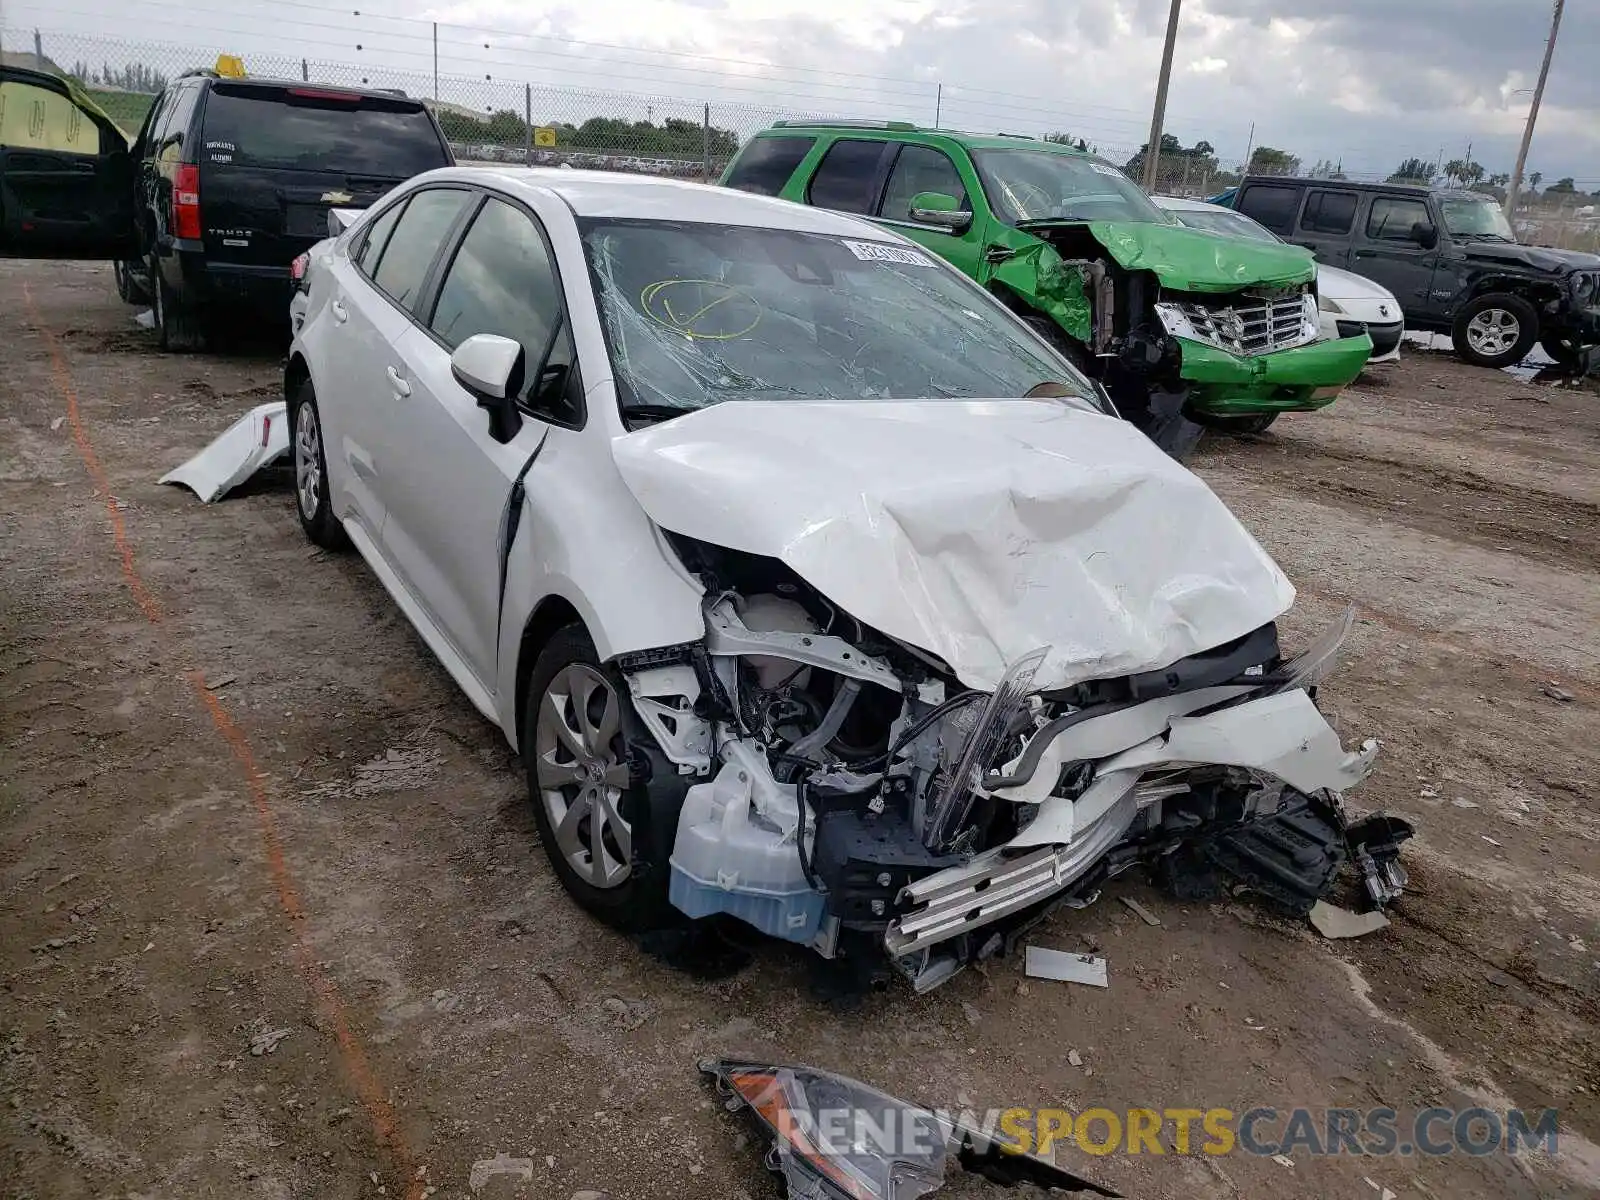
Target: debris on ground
[
  {"x": 258, "y": 438},
  {"x": 1140, "y": 911},
  {"x": 1043, "y": 963},
  {"x": 1331, "y": 921},
  {"x": 223, "y": 681},
  {"x": 1555, "y": 692},
  {"x": 791, "y": 1106},
  {"x": 486, "y": 1169},
  {"x": 266, "y": 1043}
]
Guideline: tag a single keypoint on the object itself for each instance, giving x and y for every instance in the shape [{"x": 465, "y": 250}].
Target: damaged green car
[{"x": 1185, "y": 329}]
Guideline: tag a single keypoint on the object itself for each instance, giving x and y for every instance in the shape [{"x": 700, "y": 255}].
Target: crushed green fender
[
  {"x": 1192, "y": 260},
  {"x": 1038, "y": 274},
  {"x": 1291, "y": 380}
]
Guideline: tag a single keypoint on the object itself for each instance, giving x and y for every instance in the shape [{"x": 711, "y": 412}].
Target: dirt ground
[{"x": 241, "y": 806}]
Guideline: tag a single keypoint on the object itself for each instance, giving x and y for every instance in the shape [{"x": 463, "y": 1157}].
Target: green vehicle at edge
[{"x": 1174, "y": 322}]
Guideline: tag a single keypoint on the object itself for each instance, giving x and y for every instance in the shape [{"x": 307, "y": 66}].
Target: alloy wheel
[
  {"x": 308, "y": 461},
  {"x": 1493, "y": 332},
  {"x": 582, "y": 776}
]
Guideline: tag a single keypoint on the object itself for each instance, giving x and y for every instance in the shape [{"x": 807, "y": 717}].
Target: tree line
[{"x": 673, "y": 137}]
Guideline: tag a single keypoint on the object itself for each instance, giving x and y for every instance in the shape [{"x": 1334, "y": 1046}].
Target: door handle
[
  {"x": 398, "y": 383},
  {"x": 340, "y": 313}
]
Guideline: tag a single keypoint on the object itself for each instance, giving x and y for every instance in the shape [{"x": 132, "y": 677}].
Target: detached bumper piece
[{"x": 833, "y": 1138}]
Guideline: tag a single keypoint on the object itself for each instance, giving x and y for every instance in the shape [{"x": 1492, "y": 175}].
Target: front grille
[{"x": 1252, "y": 326}]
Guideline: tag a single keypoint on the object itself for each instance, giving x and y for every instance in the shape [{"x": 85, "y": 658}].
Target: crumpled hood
[
  {"x": 975, "y": 530},
  {"x": 1542, "y": 258},
  {"x": 1194, "y": 260}
]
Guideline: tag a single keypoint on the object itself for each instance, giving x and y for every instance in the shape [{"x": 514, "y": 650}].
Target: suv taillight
[
  {"x": 298, "y": 270},
  {"x": 186, "y": 202}
]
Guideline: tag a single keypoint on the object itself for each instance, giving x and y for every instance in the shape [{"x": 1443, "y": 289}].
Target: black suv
[
  {"x": 1451, "y": 259},
  {"x": 229, "y": 180}
]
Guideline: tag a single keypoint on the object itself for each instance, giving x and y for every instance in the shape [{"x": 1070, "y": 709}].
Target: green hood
[{"x": 1191, "y": 260}]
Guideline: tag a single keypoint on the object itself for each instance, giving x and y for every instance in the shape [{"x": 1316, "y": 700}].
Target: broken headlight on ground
[
  {"x": 833, "y": 1138},
  {"x": 851, "y": 795}
]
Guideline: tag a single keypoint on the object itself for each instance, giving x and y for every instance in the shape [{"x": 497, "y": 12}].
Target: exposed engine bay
[{"x": 844, "y": 791}]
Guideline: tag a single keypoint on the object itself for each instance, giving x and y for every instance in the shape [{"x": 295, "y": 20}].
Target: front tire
[
  {"x": 176, "y": 326},
  {"x": 605, "y": 801},
  {"x": 312, "y": 502},
  {"x": 1238, "y": 426},
  {"x": 1496, "y": 330}
]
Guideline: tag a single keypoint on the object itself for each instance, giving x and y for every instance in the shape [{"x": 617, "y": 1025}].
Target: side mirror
[
  {"x": 941, "y": 209},
  {"x": 1425, "y": 234},
  {"x": 490, "y": 368}
]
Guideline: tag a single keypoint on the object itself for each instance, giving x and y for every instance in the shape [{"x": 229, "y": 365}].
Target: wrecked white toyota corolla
[{"x": 812, "y": 588}]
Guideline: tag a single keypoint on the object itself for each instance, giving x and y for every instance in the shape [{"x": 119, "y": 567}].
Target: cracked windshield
[
  {"x": 1043, "y": 185},
  {"x": 1469, "y": 218},
  {"x": 696, "y": 314}
]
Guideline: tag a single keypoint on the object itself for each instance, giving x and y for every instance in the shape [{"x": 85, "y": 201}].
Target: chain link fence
[{"x": 495, "y": 117}]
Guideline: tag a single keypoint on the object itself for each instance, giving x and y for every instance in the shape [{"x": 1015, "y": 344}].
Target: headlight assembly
[{"x": 1328, "y": 304}]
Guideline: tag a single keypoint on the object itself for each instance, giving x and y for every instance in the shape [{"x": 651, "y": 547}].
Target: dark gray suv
[{"x": 1451, "y": 259}]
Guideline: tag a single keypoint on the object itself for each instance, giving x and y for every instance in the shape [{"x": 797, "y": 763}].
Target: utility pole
[
  {"x": 1249, "y": 146},
  {"x": 436, "y": 62},
  {"x": 938, "y": 105},
  {"x": 1152, "y": 153},
  {"x": 1533, "y": 113},
  {"x": 705, "y": 145}
]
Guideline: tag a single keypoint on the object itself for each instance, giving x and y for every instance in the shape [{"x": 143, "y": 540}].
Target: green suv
[{"x": 1175, "y": 322}]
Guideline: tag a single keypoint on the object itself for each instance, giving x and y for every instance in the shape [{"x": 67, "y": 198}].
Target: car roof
[
  {"x": 891, "y": 130},
  {"x": 1346, "y": 185},
  {"x": 647, "y": 197}
]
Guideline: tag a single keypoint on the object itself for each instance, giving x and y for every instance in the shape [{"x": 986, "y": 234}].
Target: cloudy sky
[{"x": 1365, "y": 82}]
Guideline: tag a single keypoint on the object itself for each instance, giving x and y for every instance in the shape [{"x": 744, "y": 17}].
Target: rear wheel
[
  {"x": 1496, "y": 330},
  {"x": 130, "y": 288},
  {"x": 177, "y": 328},
  {"x": 311, "y": 499},
  {"x": 606, "y": 806}
]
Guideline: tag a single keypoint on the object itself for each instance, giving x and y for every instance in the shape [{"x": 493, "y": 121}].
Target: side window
[
  {"x": 847, "y": 176},
  {"x": 175, "y": 128},
  {"x": 36, "y": 118},
  {"x": 1329, "y": 212},
  {"x": 1392, "y": 217},
  {"x": 767, "y": 163},
  {"x": 1273, "y": 205},
  {"x": 150, "y": 132},
  {"x": 376, "y": 238},
  {"x": 404, "y": 262},
  {"x": 920, "y": 169},
  {"x": 502, "y": 281}
]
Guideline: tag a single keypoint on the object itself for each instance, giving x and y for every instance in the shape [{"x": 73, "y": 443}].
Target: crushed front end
[
  {"x": 848, "y": 793},
  {"x": 1178, "y": 321}
]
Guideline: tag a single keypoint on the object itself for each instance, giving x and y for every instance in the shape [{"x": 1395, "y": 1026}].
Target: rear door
[
  {"x": 274, "y": 158},
  {"x": 66, "y": 177},
  {"x": 1327, "y": 223},
  {"x": 362, "y": 384}
]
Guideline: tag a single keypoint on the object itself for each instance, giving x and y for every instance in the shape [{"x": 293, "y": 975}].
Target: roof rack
[
  {"x": 901, "y": 126},
  {"x": 203, "y": 72}
]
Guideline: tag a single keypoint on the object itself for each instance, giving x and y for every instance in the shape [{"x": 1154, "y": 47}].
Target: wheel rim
[
  {"x": 1493, "y": 332},
  {"x": 307, "y": 461},
  {"x": 581, "y": 775}
]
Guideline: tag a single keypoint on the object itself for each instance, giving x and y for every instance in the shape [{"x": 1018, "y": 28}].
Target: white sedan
[
  {"x": 1349, "y": 303},
  {"x": 809, "y": 584}
]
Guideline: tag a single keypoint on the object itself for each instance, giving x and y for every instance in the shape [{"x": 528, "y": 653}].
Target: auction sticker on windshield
[{"x": 882, "y": 252}]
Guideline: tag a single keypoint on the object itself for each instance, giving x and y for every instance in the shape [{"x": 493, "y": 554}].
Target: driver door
[
  {"x": 66, "y": 176},
  {"x": 919, "y": 169},
  {"x": 445, "y": 506}
]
